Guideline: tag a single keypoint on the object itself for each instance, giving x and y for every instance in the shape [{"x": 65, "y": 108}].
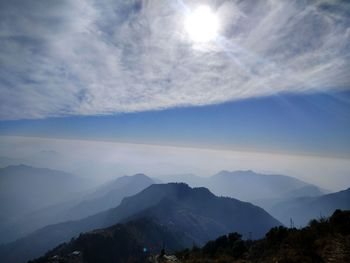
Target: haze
[{"x": 100, "y": 161}]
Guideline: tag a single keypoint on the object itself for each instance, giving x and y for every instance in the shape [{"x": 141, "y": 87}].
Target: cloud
[{"x": 89, "y": 57}]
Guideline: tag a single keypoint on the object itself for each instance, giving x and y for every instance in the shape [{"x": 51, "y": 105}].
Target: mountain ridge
[
  {"x": 301, "y": 210},
  {"x": 42, "y": 240}
]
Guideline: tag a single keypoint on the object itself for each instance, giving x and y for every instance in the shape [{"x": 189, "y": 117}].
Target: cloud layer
[{"x": 89, "y": 57}]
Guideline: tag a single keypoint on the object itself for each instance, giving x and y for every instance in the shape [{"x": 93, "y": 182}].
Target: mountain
[
  {"x": 303, "y": 209},
  {"x": 110, "y": 195},
  {"x": 195, "y": 212},
  {"x": 264, "y": 190},
  {"x": 250, "y": 186},
  {"x": 7, "y": 161},
  {"x": 130, "y": 242},
  {"x": 24, "y": 189},
  {"x": 327, "y": 240},
  {"x": 102, "y": 198},
  {"x": 308, "y": 190},
  {"x": 45, "y": 158}
]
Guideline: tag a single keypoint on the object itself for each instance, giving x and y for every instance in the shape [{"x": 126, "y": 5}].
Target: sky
[
  {"x": 314, "y": 124},
  {"x": 272, "y": 78},
  {"x": 89, "y": 57}
]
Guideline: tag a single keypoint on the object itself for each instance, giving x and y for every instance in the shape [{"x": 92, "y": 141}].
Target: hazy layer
[{"x": 103, "y": 160}]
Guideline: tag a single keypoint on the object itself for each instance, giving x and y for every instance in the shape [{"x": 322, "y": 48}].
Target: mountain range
[
  {"x": 133, "y": 241},
  {"x": 88, "y": 203},
  {"x": 194, "y": 213},
  {"x": 301, "y": 210},
  {"x": 24, "y": 189},
  {"x": 261, "y": 189},
  {"x": 325, "y": 240},
  {"x": 284, "y": 197}
]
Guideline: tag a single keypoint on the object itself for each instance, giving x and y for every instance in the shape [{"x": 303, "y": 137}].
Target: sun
[{"x": 202, "y": 24}]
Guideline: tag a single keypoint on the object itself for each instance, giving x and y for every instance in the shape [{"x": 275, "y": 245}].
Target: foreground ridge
[{"x": 323, "y": 240}]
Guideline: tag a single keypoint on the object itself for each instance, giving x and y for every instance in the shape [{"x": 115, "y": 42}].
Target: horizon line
[{"x": 189, "y": 146}]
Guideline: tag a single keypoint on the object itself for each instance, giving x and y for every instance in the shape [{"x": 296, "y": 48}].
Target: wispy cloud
[{"x": 89, "y": 57}]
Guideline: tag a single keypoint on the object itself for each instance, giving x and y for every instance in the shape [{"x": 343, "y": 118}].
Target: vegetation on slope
[
  {"x": 324, "y": 240},
  {"x": 133, "y": 241}
]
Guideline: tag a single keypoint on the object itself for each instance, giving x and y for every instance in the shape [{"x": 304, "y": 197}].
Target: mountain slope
[
  {"x": 202, "y": 215},
  {"x": 109, "y": 196},
  {"x": 322, "y": 241},
  {"x": 327, "y": 240},
  {"x": 103, "y": 198},
  {"x": 260, "y": 189},
  {"x": 303, "y": 209},
  {"x": 165, "y": 202},
  {"x": 249, "y": 186},
  {"x": 24, "y": 189},
  {"x": 19, "y": 184},
  {"x": 130, "y": 242}
]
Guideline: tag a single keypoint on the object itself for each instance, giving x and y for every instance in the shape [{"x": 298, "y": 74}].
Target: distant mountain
[
  {"x": 262, "y": 189},
  {"x": 110, "y": 195},
  {"x": 130, "y": 242},
  {"x": 120, "y": 183},
  {"x": 45, "y": 158},
  {"x": 303, "y": 209},
  {"x": 195, "y": 212},
  {"x": 104, "y": 197},
  {"x": 308, "y": 190},
  {"x": 249, "y": 186},
  {"x": 6, "y": 161},
  {"x": 24, "y": 189}
]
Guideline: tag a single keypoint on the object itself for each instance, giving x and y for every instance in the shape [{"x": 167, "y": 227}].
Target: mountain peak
[
  {"x": 139, "y": 175},
  {"x": 134, "y": 176},
  {"x": 179, "y": 189},
  {"x": 127, "y": 179},
  {"x": 169, "y": 189}
]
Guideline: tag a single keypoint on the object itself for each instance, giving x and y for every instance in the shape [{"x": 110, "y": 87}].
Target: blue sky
[
  {"x": 274, "y": 78},
  {"x": 317, "y": 123}
]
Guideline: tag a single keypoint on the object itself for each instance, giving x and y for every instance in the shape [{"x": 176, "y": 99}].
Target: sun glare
[{"x": 202, "y": 24}]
